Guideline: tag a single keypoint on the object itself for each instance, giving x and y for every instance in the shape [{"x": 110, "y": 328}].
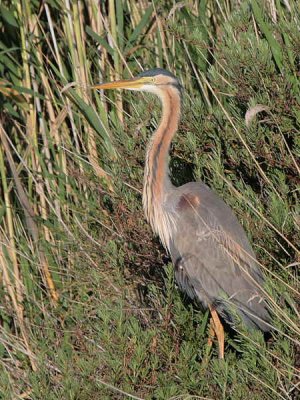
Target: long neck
[{"x": 156, "y": 179}]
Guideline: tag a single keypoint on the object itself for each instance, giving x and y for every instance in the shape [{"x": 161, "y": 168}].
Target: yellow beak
[{"x": 134, "y": 83}]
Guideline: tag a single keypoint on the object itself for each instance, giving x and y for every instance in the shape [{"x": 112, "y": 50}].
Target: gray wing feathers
[{"x": 213, "y": 259}]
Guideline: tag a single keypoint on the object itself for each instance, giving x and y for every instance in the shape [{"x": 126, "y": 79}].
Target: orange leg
[
  {"x": 211, "y": 333},
  {"x": 219, "y": 331}
]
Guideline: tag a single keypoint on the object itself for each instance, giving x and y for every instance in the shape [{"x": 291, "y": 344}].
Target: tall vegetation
[{"x": 89, "y": 307}]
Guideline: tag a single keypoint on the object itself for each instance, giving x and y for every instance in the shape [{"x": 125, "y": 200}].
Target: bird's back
[{"x": 213, "y": 259}]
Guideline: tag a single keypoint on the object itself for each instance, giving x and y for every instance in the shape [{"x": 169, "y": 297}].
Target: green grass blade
[
  {"x": 274, "y": 45},
  {"x": 137, "y": 31}
]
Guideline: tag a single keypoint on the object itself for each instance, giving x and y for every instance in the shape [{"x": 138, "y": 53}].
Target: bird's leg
[
  {"x": 211, "y": 333},
  {"x": 219, "y": 331}
]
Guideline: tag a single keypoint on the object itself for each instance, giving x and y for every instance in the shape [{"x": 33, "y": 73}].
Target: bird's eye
[{"x": 153, "y": 80}]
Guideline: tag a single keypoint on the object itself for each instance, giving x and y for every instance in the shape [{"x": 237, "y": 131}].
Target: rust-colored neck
[{"x": 156, "y": 180}]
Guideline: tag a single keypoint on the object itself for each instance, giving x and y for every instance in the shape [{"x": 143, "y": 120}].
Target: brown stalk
[
  {"x": 17, "y": 307},
  {"x": 29, "y": 218}
]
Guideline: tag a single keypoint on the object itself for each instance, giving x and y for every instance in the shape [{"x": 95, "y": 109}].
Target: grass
[{"x": 89, "y": 307}]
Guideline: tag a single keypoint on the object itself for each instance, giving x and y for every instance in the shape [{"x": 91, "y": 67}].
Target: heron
[{"x": 213, "y": 260}]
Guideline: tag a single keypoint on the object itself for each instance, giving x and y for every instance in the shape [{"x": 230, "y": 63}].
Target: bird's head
[{"x": 155, "y": 81}]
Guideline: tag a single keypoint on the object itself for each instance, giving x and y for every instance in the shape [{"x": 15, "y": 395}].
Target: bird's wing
[{"x": 213, "y": 259}]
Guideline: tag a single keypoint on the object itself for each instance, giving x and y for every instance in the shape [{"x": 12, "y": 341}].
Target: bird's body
[{"x": 213, "y": 260}]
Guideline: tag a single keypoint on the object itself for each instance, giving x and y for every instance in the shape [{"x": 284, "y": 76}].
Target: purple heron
[{"x": 213, "y": 260}]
